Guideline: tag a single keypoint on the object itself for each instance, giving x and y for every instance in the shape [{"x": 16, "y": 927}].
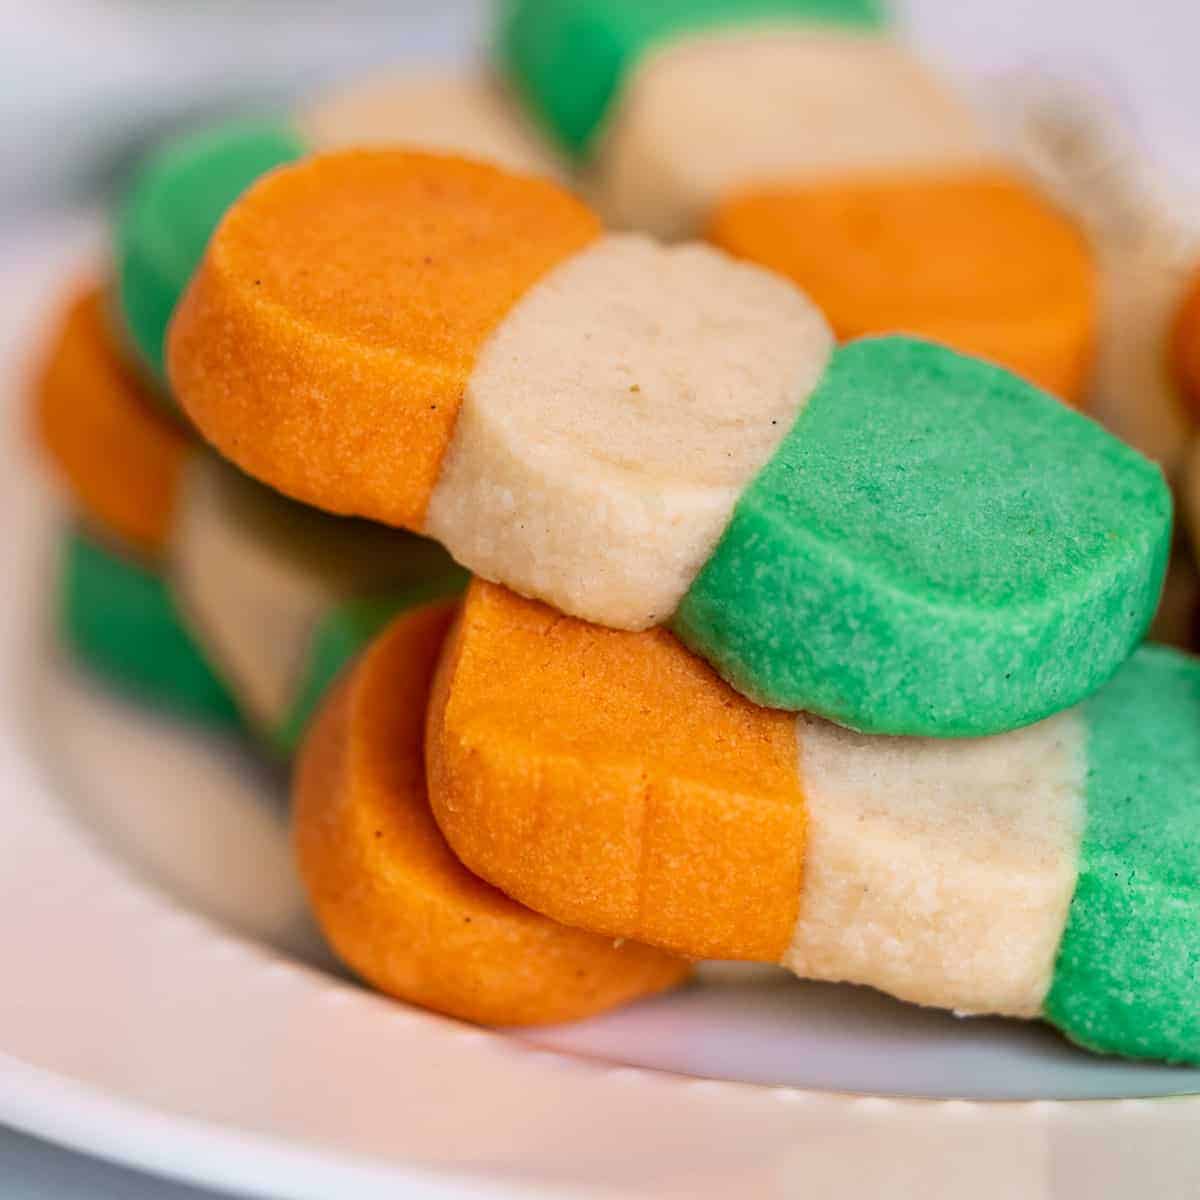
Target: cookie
[
  {"x": 178, "y": 195},
  {"x": 282, "y": 597},
  {"x": 395, "y": 903},
  {"x": 117, "y": 617},
  {"x": 612, "y": 780},
  {"x": 120, "y": 456},
  {"x": 892, "y": 535},
  {"x": 802, "y": 138}
]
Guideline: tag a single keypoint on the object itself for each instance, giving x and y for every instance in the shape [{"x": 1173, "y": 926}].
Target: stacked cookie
[
  {"x": 185, "y": 582},
  {"x": 122, "y": 458},
  {"x": 700, "y": 516}
]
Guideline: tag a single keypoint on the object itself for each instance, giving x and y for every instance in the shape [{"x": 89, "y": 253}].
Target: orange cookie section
[
  {"x": 390, "y": 896},
  {"x": 120, "y": 454},
  {"x": 1187, "y": 347},
  {"x": 978, "y": 261},
  {"x": 613, "y": 781},
  {"x": 325, "y": 343}
]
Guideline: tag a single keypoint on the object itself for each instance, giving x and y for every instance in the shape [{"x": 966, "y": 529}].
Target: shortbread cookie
[
  {"x": 611, "y": 780},
  {"x": 119, "y": 454},
  {"x": 181, "y": 191},
  {"x": 897, "y": 537},
  {"x": 392, "y": 899},
  {"x": 117, "y": 616},
  {"x": 801, "y": 137},
  {"x": 282, "y": 596}
]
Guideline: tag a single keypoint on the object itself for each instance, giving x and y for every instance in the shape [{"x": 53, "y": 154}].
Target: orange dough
[
  {"x": 1187, "y": 347},
  {"x": 326, "y": 340},
  {"x": 978, "y": 261},
  {"x": 120, "y": 454},
  {"x": 611, "y": 780},
  {"x": 394, "y": 901}
]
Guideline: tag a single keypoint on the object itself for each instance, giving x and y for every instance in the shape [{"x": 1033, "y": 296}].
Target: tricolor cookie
[
  {"x": 612, "y": 781},
  {"x": 188, "y": 564},
  {"x": 889, "y": 534},
  {"x": 121, "y": 459},
  {"x": 282, "y": 597},
  {"x": 180, "y": 192},
  {"x": 799, "y": 135},
  {"x": 394, "y": 901}
]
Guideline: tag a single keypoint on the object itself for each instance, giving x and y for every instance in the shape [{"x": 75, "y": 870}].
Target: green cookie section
[
  {"x": 570, "y": 57},
  {"x": 1127, "y": 980},
  {"x": 937, "y": 548},
  {"x": 118, "y": 618},
  {"x": 340, "y": 638},
  {"x": 175, "y": 202}
]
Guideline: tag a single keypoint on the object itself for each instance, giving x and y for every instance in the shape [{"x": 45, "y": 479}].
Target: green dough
[
  {"x": 341, "y": 637},
  {"x": 570, "y": 57},
  {"x": 118, "y": 618},
  {"x": 936, "y": 548},
  {"x": 176, "y": 201},
  {"x": 1127, "y": 980}
]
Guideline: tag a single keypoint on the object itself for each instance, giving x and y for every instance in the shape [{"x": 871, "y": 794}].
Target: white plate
[{"x": 165, "y": 1002}]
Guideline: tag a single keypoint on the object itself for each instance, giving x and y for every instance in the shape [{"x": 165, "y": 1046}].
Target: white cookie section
[
  {"x": 715, "y": 113},
  {"x": 613, "y": 420},
  {"x": 940, "y": 871},
  {"x": 254, "y": 574},
  {"x": 469, "y": 115}
]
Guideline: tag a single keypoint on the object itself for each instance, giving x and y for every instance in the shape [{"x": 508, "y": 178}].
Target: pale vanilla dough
[
  {"x": 613, "y": 420},
  {"x": 712, "y": 114},
  {"x": 256, "y": 573},
  {"x": 940, "y": 871},
  {"x": 468, "y": 115}
]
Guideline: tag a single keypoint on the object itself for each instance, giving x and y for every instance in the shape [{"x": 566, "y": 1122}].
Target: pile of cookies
[{"x": 803, "y": 621}]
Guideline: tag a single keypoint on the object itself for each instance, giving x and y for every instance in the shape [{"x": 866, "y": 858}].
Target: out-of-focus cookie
[{"x": 283, "y": 597}]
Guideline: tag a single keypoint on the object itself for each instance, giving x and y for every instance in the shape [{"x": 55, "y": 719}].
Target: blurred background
[{"x": 87, "y": 82}]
